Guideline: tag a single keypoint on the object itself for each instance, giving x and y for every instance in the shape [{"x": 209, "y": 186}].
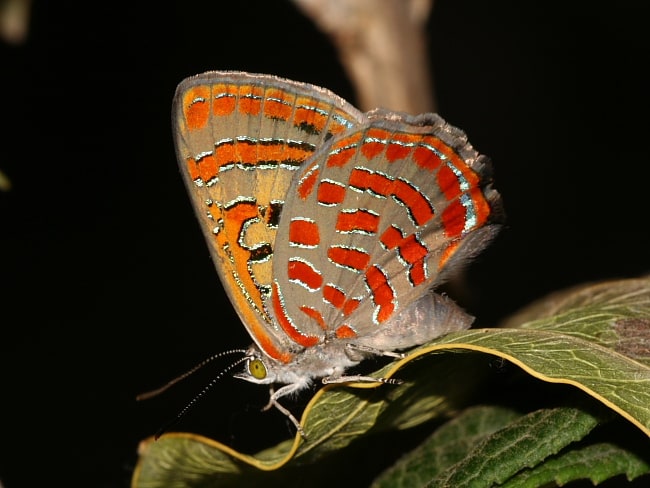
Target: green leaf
[
  {"x": 335, "y": 417},
  {"x": 523, "y": 443},
  {"x": 596, "y": 339},
  {"x": 597, "y": 463},
  {"x": 446, "y": 446},
  {"x": 613, "y": 379},
  {"x": 488, "y": 444},
  {"x": 613, "y": 314}
]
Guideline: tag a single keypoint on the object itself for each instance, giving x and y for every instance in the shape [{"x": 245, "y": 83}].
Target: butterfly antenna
[
  {"x": 150, "y": 394},
  {"x": 199, "y": 395}
]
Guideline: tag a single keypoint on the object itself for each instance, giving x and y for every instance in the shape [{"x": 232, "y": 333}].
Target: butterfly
[{"x": 328, "y": 227}]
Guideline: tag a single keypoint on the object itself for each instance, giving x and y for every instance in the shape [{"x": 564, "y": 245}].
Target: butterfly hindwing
[{"x": 371, "y": 223}]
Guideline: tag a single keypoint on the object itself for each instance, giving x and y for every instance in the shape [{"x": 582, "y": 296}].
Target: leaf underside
[{"x": 596, "y": 339}]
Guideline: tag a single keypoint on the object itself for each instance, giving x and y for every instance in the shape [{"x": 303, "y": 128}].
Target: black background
[{"x": 107, "y": 287}]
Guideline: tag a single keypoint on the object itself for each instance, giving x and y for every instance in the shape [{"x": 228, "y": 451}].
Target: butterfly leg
[
  {"x": 363, "y": 351},
  {"x": 359, "y": 352},
  {"x": 273, "y": 402},
  {"x": 361, "y": 379}
]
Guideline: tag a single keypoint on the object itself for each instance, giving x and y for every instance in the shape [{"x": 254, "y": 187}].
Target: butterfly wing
[
  {"x": 375, "y": 220},
  {"x": 240, "y": 138}
]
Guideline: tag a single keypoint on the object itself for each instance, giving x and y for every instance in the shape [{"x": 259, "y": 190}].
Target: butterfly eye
[{"x": 257, "y": 369}]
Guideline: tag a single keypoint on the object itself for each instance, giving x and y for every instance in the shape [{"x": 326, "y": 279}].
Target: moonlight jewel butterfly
[{"x": 328, "y": 227}]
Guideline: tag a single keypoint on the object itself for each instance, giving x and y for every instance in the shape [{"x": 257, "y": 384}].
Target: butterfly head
[
  {"x": 295, "y": 375},
  {"x": 257, "y": 368}
]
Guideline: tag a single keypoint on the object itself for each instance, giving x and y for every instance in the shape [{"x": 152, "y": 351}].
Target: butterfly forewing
[
  {"x": 371, "y": 223},
  {"x": 240, "y": 139}
]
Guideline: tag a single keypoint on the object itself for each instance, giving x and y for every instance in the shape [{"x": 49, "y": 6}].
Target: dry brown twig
[
  {"x": 14, "y": 20},
  {"x": 382, "y": 45}
]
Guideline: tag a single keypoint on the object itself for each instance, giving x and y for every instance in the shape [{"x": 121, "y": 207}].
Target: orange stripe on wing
[
  {"x": 372, "y": 149},
  {"x": 365, "y": 180},
  {"x": 306, "y": 185},
  {"x": 267, "y": 345},
  {"x": 353, "y": 259},
  {"x": 447, "y": 253},
  {"x": 416, "y": 203},
  {"x": 305, "y": 274},
  {"x": 206, "y": 168},
  {"x": 426, "y": 159},
  {"x": 250, "y": 99},
  {"x": 455, "y": 216},
  {"x": 314, "y": 314},
  {"x": 397, "y": 151},
  {"x": 224, "y": 99},
  {"x": 345, "y": 332},
  {"x": 357, "y": 221},
  {"x": 283, "y": 320},
  {"x": 400, "y": 146},
  {"x": 447, "y": 180},
  {"x": 330, "y": 193},
  {"x": 334, "y": 296},
  {"x": 278, "y": 104},
  {"x": 342, "y": 150},
  {"x": 419, "y": 207},
  {"x": 310, "y": 114},
  {"x": 350, "y": 306},
  {"x": 304, "y": 233},
  {"x": 382, "y": 294},
  {"x": 340, "y": 158},
  {"x": 337, "y": 299},
  {"x": 411, "y": 249},
  {"x": 251, "y": 152},
  {"x": 249, "y": 303},
  {"x": 391, "y": 237},
  {"x": 196, "y": 107}
]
